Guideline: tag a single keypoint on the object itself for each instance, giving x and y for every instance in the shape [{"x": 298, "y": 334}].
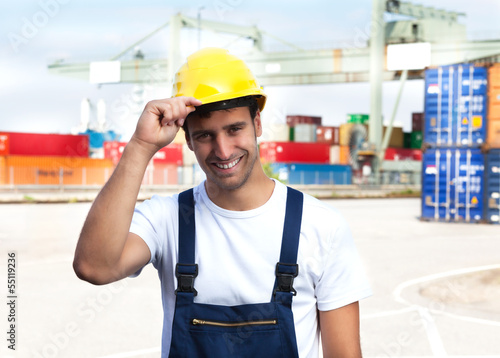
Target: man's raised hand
[{"x": 160, "y": 121}]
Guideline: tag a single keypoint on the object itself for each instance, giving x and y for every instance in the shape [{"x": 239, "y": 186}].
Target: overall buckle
[
  {"x": 185, "y": 281},
  {"x": 285, "y": 273}
]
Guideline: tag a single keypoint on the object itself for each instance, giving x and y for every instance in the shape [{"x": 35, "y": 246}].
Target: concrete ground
[{"x": 436, "y": 286}]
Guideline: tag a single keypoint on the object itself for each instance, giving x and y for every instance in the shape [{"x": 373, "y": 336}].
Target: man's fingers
[
  {"x": 170, "y": 111},
  {"x": 190, "y": 104},
  {"x": 173, "y": 109},
  {"x": 161, "y": 119},
  {"x": 190, "y": 101},
  {"x": 181, "y": 110}
]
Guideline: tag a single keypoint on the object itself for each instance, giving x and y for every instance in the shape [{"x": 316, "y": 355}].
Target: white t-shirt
[{"x": 237, "y": 252}]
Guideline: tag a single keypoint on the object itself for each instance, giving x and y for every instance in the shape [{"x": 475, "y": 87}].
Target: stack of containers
[
  {"x": 399, "y": 162},
  {"x": 492, "y": 171},
  {"x": 358, "y": 118},
  {"x": 189, "y": 172},
  {"x": 412, "y": 142},
  {"x": 493, "y": 132},
  {"x": 163, "y": 168},
  {"x": 350, "y": 135},
  {"x": 330, "y": 135},
  {"x": 355, "y": 132},
  {"x": 303, "y": 128},
  {"x": 417, "y": 130},
  {"x": 308, "y": 156},
  {"x": 97, "y": 139},
  {"x": 492, "y": 190},
  {"x": 413, "y": 139},
  {"x": 460, "y": 181},
  {"x": 49, "y": 159}
]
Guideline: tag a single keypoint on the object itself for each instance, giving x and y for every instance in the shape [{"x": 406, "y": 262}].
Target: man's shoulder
[
  {"x": 310, "y": 202},
  {"x": 313, "y": 203},
  {"x": 158, "y": 204},
  {"x": 320, "y": 213}
]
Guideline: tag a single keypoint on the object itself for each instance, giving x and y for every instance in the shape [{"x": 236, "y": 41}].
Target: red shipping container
[
  {"x": 171, "y": 154},
  {"x": 61, "y": 145},
  {"x": 417, "y": 122},
  {"x": 328, "y": 135},
  {"x": 113, "y": 151},
  {"x": 4, "y": 144},
  {"x": 295, "y": 152},
  {"x": 402, "y": 154},
  {"x": 293, "y": 120}
]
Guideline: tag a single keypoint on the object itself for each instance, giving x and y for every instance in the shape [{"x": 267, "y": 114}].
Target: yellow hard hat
[{"x": 213, "y": 75}]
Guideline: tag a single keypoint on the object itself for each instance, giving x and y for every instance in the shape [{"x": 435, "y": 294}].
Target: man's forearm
[{"x": 107, "y": 225}]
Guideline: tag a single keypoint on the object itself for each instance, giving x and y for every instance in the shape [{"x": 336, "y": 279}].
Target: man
[{"x": 248, "y": 266}]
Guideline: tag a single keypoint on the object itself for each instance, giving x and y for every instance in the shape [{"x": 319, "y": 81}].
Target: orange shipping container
[
  {"x": 349, "y": 130},
  {"x": 344, "y": 155},
  {"x": 35, "y": 170},
  {"x": 161, "y": 174},
  {"x": 3, "y": 172},
  {"x": 493, "y": 122}
]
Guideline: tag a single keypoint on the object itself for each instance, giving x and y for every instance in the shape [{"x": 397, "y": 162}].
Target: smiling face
[{"x": 225, "y": 145}]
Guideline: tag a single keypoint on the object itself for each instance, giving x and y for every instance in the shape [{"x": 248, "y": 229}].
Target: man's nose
[{"x": 223, "y": 147}]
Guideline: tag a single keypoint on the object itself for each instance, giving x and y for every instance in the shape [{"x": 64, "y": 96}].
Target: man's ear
[{"x": 258, "y": 124}]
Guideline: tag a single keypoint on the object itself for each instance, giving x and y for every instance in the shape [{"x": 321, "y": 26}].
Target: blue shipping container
[
  {"x": 455, "y": 106},
  {"x": 97, "y": 139},
  {"x": 313, "y": 173},
  {"x": 492, "y": 192},
  {"x": 453, "y": 185}
]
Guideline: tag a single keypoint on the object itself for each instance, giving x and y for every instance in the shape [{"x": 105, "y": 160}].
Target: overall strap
[
  {"x": 287, "y": 268},
  {"x": 186, "y": 270}
]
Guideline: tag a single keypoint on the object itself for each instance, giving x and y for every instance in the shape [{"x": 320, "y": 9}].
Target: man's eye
[
  {"x": 203, "y": 136},
  {"x": 235, "y": 129}
]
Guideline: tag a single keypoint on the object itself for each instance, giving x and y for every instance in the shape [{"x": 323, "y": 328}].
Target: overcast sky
[{"x": 35, "y": 33}]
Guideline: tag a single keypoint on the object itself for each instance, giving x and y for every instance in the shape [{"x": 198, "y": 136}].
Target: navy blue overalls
[{"x": 251, "y": 330}]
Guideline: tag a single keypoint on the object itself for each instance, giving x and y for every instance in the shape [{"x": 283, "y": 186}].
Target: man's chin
[{"x": 226, "y": 183}]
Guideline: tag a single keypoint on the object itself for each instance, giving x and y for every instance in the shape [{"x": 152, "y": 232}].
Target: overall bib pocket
[{"x": 235, "y": 339}]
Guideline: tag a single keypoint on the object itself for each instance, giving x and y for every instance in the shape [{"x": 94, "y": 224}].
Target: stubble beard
[{"x": 221, "y": 181}]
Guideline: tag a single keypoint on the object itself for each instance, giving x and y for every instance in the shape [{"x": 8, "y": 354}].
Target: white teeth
[{"x": 228, "y": 166}]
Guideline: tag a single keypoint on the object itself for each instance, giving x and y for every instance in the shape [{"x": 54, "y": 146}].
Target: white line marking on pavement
[
  {"x": 134, "y": 353},
  {"x": 402, "y": 286},
  {"x": 433, "y": 335},
  {"x": 432, "y": 332},
  {"x": 468, "y": 319},
  {"x": 397, "y": 292}
]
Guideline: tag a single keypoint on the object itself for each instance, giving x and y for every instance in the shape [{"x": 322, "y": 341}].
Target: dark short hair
[{"x": 206, "y": 110}]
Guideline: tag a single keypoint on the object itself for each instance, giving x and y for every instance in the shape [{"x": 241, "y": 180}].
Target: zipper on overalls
[{"x": 233, "y": 324}]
